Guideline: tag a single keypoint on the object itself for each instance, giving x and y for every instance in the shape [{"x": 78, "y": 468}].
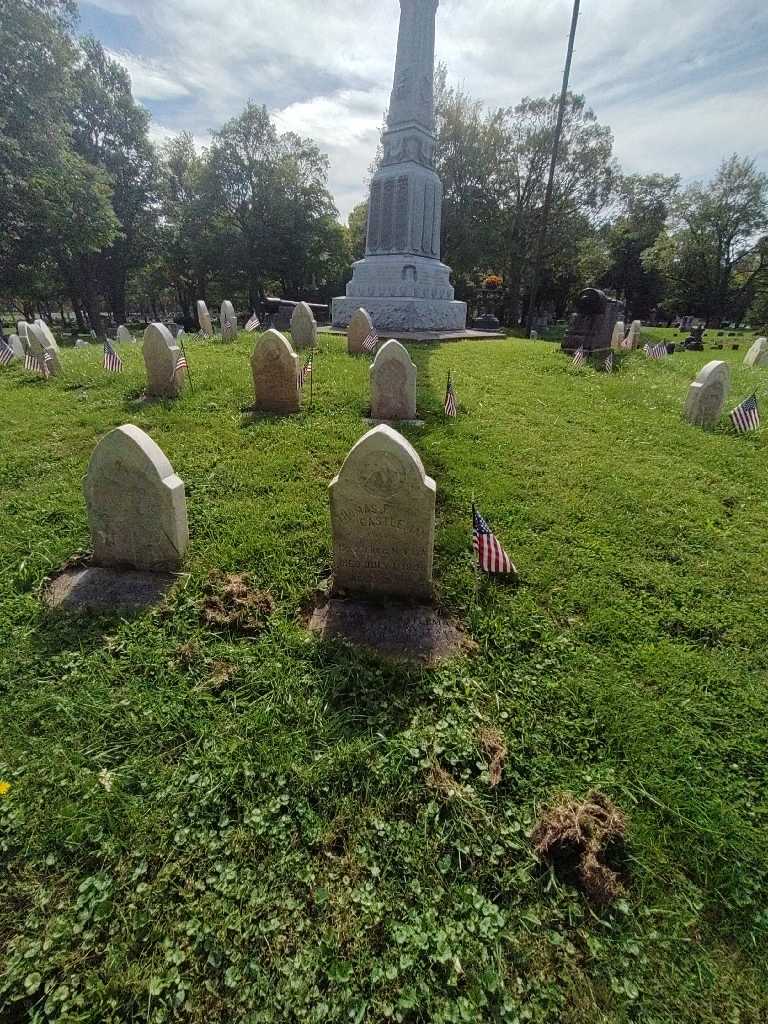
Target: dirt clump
[
  {"x": 579, "y": 838},
  {"x": 231, "y": 603}
]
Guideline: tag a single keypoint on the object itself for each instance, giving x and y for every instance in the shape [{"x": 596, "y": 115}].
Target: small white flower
[{"x": 106, "y": 778}]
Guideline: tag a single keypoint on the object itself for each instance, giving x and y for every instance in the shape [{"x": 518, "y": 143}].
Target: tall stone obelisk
[{"x": 401, "y": 281}]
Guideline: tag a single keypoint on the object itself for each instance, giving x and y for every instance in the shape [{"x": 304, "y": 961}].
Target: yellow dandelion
[{"x": 5, "y": 788}]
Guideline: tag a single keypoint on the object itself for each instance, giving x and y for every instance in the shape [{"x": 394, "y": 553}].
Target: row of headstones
[
  {"x": 276, "y": 374},
  {"x": 708, "y": 393},
  {"x": 382, "y": 512},
  {"x": 303, "y": 323}
]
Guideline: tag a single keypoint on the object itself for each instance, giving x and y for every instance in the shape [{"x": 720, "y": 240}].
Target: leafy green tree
[
  {"x": 714, "y": 258},
  {"x": 357, "y": 225}
]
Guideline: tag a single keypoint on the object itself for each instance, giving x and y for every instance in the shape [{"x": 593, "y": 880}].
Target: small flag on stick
[
  {"x": 451, "y": 405},
  {"x": 370, "y": 341},
  {"x": 228, "y": 322},
  {"x": 491, "y": 556},
  {"x": 304, "y": 373},
  {"x": 746, "y": 417},
  {"x": 181, "y": 363},
  {"x": 253, "y": 324},
  {"x": 627, "y": 342},
  {"x": 579, "y": 358},
  {"x": 112, "y": 361},
  {"x": 609, "y": 363},
  {"x": 37, "y": 364},
  {"x": 6, "y": 353}
]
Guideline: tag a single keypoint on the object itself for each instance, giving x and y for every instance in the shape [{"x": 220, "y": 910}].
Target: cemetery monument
[{"x": 401, "y": 282}]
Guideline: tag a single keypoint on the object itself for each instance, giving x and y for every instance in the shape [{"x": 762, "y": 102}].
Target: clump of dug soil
[
  {"x": 579, "y": 838},
  {"x": 495, "y": 750},
  {"x": 231, "y": 603}
]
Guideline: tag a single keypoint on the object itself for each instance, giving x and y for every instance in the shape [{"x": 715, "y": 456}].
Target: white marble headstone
[
  {"x": 275, "y": 369},
  {"x": 204, "y": 319},
  {"x": 634, "y": 333},
  {"x": 40, "y": 347},
  {"x": 15, "y": 344},
  {"x": 161, "y": 356},
  {"x": 707, "y": 394},
  {"x": 136, "y": 504},
  {"x": 393, "y": 383},
  {"x": 228, "y": 314},
  {"x": 618, "y": 334},
  {"x": 303, "y": 327},
  {"x": 757, "y": 357},
  {"x": 123, "y": 334},
  {"x": 47, "y": 334},
  {"x": 383, "y": 519},
  {"x": 82, "y": 343},
  {"x": 360, "y": 326}
]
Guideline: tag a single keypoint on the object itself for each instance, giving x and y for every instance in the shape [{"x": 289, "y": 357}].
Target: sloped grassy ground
[{"x": 296, "y": 831}]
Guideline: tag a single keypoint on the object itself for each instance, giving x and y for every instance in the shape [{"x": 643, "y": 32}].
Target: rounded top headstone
[
  {"x": 707, "y": 394},
  {"x": 303, "y": 327},
  {"x": 360, "y": 326}
]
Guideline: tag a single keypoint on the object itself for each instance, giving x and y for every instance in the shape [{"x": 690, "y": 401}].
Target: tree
[
  {"x": 272, "y": 191},
  {"x": 643, "y": 204},
  {"x": 714, "y": 258},
  {"x": 357, "y": 224}
]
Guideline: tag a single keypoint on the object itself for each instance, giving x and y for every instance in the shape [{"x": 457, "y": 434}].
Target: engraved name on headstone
[{"x": 275, "y": 368}]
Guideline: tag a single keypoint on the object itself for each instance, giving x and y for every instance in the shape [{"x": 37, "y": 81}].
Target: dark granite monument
[{"x": 591, "y": 326}]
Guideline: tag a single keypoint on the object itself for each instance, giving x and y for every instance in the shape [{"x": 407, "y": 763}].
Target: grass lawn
[{"x": 297, "y": 831}]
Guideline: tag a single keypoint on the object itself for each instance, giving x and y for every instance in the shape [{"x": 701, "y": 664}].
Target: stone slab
[
  {"x": 303, "y": 327},
  {"x": 757, "y": 357},
  {"x": 707, "y": 394},
  {"x": 275, "y": 369},
  {"x": 393, "y": 383},
  {"x": 204, "y": 319},
  {"x": 228, "y": 314},
  {"x": 106, "y": 590},
  {"x": 401, "y": 632},
  {"x": 467, "y": 334}
]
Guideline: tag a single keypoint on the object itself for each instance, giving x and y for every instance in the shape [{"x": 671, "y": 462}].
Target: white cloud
[
  {"x": 681, "y": 83},
  {"x": 149, "y": 80}
]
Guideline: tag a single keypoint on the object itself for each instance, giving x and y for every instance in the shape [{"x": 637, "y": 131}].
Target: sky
[{"x": 682, "y": 83}]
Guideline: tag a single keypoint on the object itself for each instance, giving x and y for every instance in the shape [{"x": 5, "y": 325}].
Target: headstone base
[
  {"x": 106, "y": 590},
  {"x": 398, "y": 631}
]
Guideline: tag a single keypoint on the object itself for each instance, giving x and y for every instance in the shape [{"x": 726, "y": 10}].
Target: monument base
[
  {"x": 401, "y": 293},
  {"x": 397, "y": 314}
]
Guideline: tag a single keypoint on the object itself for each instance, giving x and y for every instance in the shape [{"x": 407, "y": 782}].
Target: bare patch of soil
[
  {"x": 495, "y": 749},
  {"x": 230, "y": 603}
]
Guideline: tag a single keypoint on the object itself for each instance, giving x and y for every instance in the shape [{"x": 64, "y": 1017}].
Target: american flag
[
  {"x": 112, "y": 361},
  {"x": 451, "y": 405},
  {"x": 370, "y": 341},
  {"x": 181, "y": 364},
  {"x": 627, "y": 342},
  {"x": 38, "y": 364},
  {"x": 228, "y": 323},
  {"x": 746, "y": 417},
  {"x": 253, "y": 324},
  {"x": 6, "y": 353},
  {"x": 579, "y": 358},
  {"x": 656, "y": 351},
  {"x": 609, "y": 363},
  {"x": 491, "y": 556},
  {"x": 303, "y": 374}
]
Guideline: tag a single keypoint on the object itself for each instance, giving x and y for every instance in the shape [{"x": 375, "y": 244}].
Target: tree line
[{"x": 99, "y": 220}]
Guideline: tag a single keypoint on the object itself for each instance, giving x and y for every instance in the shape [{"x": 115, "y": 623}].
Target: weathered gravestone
[
  {"x": 393, "y": 383},
  {"x": 204, "y": 319},
  {"x": 757, "y": 357},
  {"x": 23, "y": 330},
  {"x": 634, "y": 333},
  {"x": 228, "y": 321},
  {"x": 136, "y": 505},
  {"x": 39, "y": 347},
  {"x": 123, "y": 334},
  {"x": 47, "y": 333},
  {"x": 383, "y": 519},
  {"x": 707, "y": 394},
  {"x": 303, "y": 327},
  {"x": 275, "y": 369},
  {"x": 360, "y": 326},
  {"x": 82, "y": 343},
  {"x": 618, "y": 334},
  {"x": 16, "y": 346},
  {"x": 161, "y": 357},
  {"x": 591, "y": 326}
]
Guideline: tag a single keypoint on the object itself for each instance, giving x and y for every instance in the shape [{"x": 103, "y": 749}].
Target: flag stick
[
  {"x": 312, "y": 379},
  {"x": 184, "y": 353}
]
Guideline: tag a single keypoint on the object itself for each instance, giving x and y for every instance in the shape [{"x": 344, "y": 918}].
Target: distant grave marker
[
  {"x": 204, "y": 319},
  {"x": 393, "y": 383},
  {"x": 303, "y": 327},
  {"x": 707, "y": 394},
  {"x": 228, "y": 321},
  {"x": 161, "y": 357},
  {"x": 757, "y": 357},
  {"x": 360, "y": 326},
  {"x": 275, "y": 369}
]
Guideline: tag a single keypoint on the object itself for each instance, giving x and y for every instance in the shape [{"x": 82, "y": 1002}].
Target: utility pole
[{"x": 536, "y": 273}]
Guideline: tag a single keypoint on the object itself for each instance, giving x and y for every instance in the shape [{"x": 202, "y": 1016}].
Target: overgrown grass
[{"x": 280, "y": 842}]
